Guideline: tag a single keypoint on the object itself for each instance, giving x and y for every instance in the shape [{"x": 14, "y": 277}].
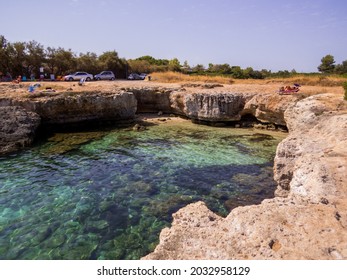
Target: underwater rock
[
  {"x": 56, "y": 240},
  {"x": 96, "y": 225},
  {"x": 138, "y": 127}
]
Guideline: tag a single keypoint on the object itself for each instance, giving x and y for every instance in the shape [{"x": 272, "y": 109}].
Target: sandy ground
[{"x": 21, "y": 89}]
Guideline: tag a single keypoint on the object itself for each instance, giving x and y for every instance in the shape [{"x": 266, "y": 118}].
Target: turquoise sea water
[{"x": 107, "y": 194}]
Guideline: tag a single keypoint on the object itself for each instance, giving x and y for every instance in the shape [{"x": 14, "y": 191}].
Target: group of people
[{"x": 289, "y": 89}]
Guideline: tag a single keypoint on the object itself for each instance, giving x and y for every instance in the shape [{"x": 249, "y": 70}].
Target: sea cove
[
  {"x": 107, "y": 194},
  {"x": 304, "y": 218}
]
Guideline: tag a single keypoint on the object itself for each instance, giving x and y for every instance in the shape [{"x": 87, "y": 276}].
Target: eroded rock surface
[
  {"x": 17, "y": 128},
  {"x": 153, "y": 99},
  {"x": 79, "y": 107},
  {"x": 209, "y": 106},
  {"x": 21, "y": 112},
  {"x": 307, "y": 219},
  {"x": 270, "y": 108}
]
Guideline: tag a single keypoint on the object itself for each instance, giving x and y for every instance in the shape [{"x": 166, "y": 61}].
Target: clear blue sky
[{"x": 270, "y": 34}]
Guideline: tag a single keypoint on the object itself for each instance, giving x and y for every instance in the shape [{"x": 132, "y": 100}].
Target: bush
[{"x": 345, "y": 87}]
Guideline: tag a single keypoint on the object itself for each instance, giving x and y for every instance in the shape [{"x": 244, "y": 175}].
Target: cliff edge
[{"x": 308, "y": 217}]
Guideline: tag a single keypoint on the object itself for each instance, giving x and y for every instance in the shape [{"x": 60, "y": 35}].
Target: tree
[
  {"x": 327, "y": 66},
  {"x": 248, "y": 72},
  {"x": 17, "y": 58},
  {"x": 60, "y": 61},
  {"x": 51, "y": 60},
  {"x": 198, "y": 68},
  {"x": 186, "y": 65},
  {"x": 219, "y": 68},
  {"x": 35, "y": 57},
  {"x": 341, "y": 68},
  {"x": 4, "y": 59},
  {"x": 139, "y": 66},
  {"x": 88, "y": 62},
  {"x": 174, "y": 65},
  {"x": 237, "y": 72},
  {"x": 110, "y": 61}
]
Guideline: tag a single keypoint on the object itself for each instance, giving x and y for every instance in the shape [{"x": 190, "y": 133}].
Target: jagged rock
[
  {"x": 310, "y": 164},
  {"x": 17, "y": 128},
  {"x": 269, "y": 108}
]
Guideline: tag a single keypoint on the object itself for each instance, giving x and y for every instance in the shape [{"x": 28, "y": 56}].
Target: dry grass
[
  {"x": 314, "y": 80},
  {"x": 304, "y": 80},
  {"x": 311, "y": 84},
  {"x": 175, "y": 77}
]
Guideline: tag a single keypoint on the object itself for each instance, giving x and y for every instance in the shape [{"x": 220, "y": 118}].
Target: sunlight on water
[{"x": 108, "y": 194}]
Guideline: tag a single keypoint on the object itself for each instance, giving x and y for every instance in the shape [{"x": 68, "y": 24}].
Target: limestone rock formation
[
  {"x": 17, "y": 128},
  {"x": 269, "y": 108},
  {"x": 152, "y": 99},
  {"x": 307, "y": 219},
  {"x": 22, "y": 114},
  {"x": 209, "y": 106},
  {"x": 78, "y": 107}
]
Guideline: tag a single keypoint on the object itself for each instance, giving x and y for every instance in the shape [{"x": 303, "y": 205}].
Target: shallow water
[{"x": 108, "y": 194}]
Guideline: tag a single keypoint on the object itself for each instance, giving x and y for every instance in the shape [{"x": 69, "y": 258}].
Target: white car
[{"x": 78, "y": 76}]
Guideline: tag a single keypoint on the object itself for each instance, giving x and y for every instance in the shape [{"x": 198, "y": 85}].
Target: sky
[{"x": 263, "y": 34}]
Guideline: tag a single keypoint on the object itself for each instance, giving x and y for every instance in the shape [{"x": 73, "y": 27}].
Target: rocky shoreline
[
  {"x": 306, "y": 220},
  {"x": 308, "y": 217}
]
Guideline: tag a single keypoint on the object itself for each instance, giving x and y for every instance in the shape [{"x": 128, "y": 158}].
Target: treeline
[
  {"x": 328, "y": 66},
  {"x": 28, "y": 58}
]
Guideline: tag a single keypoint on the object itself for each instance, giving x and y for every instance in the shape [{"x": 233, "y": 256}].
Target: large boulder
[{"x": 270, "y": 108}]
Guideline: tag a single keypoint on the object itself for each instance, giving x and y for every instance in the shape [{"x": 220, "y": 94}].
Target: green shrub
[{"x": 345, "y": 87}]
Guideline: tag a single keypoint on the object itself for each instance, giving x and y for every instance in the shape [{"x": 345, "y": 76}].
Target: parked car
[
  {"x": 135, "y": 76},
  {"x": 143, "y": 76},
  {"x": 105, "y": 75},
  {"x": 78, "y": 76}
]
